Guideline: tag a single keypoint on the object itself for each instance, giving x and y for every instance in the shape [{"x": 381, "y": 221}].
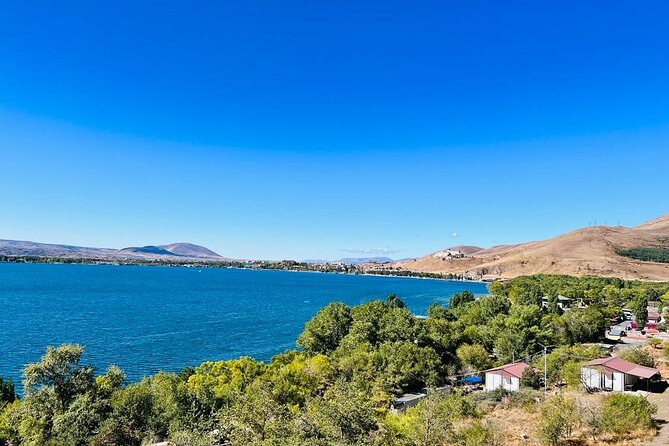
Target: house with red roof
[
  {"x": 616, "y": 374},
  {"x": 505, "y": 377}
]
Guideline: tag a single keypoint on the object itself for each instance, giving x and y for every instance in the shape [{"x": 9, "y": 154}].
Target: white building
[
  {"x": 563, "y": 302},
  {"x": 449, "y": 254},
  {"x": 506, "y": 377},
  {"x": 615, "y": 374}
]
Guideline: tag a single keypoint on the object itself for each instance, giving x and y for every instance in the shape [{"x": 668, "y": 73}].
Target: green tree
[
  {"x": 431, "y": 421},
  {"x": 461, "y": 298},
  {"x": 531, "y": 377},
  {"x": 59, "y": 373},
  {"x": 474, "y": 357},
  {"x": 559, "y": 415},
  {"x": 553, "y": 304},
  {"x": 344, "y": 415},
  {"x": 256, "y": 416},
  {"x": 295, "y": 377},
  {"x": 393, "y": 301},
  {"x": 64, "y": 404},
  {"x": 584, "y": 324},
  {"x": 130, "y": 421},
  {"x": 7, "y": 392},
  {"x": 324, "y": 331},
  {"x": 479, "y": 433},
  {"x": 640, "y": 310}
]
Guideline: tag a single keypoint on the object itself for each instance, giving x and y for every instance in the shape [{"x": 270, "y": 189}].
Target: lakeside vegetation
[{"x": 352, "y": 363}]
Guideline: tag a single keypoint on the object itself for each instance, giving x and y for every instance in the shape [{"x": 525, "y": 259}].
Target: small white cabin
[
  {"x": 615, "y": 374},
  {"x": 506, "y": 377}
]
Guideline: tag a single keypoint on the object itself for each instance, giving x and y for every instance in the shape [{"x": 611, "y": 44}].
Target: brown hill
[{"x": 592, "y": 250}]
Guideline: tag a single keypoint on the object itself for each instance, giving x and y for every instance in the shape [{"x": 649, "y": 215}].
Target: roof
[
  {"x": 409, "y": 397},
  {"x": 514, "y": 369},
  {"x": 560, "y": 298},
  {"x": 620, "y": 365}
]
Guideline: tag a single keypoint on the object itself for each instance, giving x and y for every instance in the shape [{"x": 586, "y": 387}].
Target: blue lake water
[{"x": 146, "y": 319}]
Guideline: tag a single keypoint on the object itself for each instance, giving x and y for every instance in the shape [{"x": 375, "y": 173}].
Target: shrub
[
  {"x": 654, "y": 342},
  {"x": 623, "y": 413},
  {"x": 479, "y": 434},
  {"x": 525, "y": 398},
  {"x": 531, "y": 378},
  {"x": 558, "y": 417}
]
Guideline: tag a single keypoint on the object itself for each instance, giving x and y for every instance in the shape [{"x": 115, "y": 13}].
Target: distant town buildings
[{"x": 449, "y": 254}]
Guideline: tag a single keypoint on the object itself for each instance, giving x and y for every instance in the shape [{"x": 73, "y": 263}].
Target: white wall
[
  {"x": 514, "y": 384},
  {"x": 495, "y": 381},
  {"x": 594, "y": 379},
  {"x": 492, "y": 381},
  {"x": 590, "y": 378}
]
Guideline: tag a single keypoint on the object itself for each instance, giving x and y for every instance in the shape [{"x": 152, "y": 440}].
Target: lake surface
[{"x": 146, "y": 319}]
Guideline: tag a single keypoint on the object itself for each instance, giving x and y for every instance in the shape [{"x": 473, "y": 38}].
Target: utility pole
[
  {"x": 545, "y": 371},
  {"x": 545, "y": 367}
]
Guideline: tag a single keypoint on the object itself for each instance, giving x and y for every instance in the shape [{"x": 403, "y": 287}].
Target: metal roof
[
  {"x": 514, "y": 369},
  {"x": 620, "y": 365},
  {"x": 409, "y": 397}
]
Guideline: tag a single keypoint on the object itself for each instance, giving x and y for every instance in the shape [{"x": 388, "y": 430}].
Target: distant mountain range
[
  {"x": 593, "y": 250},
  {"x": 640, "y": 252},
  {"x": 174, "y": 251}
]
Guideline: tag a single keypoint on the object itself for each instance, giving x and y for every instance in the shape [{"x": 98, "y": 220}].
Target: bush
[
  {"x": 479, "y": 434},
  {"x": 623, "y": 413},
  {"x": 654, "y": 342},
  {"x": 531, "y": 378},
  {"x": 558, "y": 417},
  {"x": 525, "y": 398}
]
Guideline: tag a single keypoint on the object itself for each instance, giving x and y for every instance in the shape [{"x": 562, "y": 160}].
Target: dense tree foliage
[
  {"x": 338, "y": 388},
  {"x": 7, "y": 392},
  {"x": 461, "y": 298}
]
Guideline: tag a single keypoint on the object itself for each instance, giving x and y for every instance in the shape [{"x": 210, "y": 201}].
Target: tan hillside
[{"x": 591, "y": 250}]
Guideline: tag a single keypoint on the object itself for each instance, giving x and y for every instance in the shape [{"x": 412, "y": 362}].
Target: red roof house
[
  {"x": 615, "y": 374},
  {"x": 506, "y": 376}
]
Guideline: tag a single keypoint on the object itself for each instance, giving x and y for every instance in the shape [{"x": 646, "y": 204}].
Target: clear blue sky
[{"x": 310, "y": 129}]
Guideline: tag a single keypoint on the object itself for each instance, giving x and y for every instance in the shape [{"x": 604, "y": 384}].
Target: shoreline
[{"x": 254, "y": 265}]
